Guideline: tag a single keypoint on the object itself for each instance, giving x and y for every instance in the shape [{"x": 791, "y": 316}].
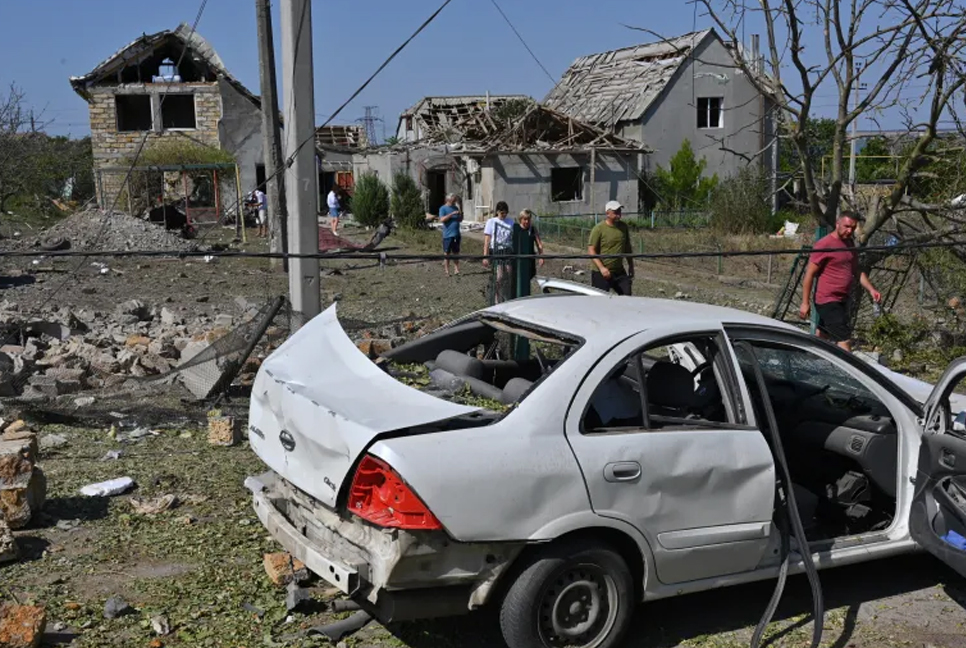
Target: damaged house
[
  {"x": 689, "y": 87},
  {"x": 202, "y": 102},
  {"x": 335, "y": 146},
  {"x": 489, "y": 149}
]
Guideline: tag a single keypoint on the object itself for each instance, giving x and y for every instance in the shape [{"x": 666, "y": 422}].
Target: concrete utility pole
[
  {"x": 855, "y": 132},
  {"x": 271, "y": 136},
  {"x": 301, "y": 179}
]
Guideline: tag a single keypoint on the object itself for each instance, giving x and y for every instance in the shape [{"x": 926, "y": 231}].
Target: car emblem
[{"x": 287, "y": 440}]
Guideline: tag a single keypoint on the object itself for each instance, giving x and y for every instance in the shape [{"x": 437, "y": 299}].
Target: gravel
[{"x": 97, "y": 229}]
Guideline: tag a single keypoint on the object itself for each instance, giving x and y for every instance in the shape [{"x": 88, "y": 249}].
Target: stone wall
[{"x": 113, "y": 148}]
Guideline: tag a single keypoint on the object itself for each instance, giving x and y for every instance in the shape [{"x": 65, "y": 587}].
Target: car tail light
[{"x": 380, "y": 496}]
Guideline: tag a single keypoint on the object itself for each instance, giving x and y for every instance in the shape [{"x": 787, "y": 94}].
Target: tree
[
  {"x": 370, "y": 202},
  {"x": 682, "y": 185},
  {"x": 878, "y": 49},
  {"x": 740, "y": 204},
  {"x": 407, "y": 203}
]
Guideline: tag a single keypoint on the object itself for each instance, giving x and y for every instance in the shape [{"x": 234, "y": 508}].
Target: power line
[
  {"x": 291, "y": 158},
  {"x": 534, "y": 56}
]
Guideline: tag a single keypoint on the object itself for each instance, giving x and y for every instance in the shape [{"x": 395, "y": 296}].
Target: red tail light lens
[{"x": 380, "y": 496}]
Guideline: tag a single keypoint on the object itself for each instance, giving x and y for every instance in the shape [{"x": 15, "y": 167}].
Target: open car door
[{"x": 938, "y": 517}]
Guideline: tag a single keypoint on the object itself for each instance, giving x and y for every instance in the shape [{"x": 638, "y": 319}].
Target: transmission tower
[{"x": 369, "y": 121}]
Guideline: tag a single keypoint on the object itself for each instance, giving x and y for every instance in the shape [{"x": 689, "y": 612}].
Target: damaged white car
[{"x": 564, "y": 457}]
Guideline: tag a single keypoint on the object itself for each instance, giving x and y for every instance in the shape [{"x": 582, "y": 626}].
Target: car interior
[
  {"x": 840, "y": 440},
  {"x": 479, "y": 356}
]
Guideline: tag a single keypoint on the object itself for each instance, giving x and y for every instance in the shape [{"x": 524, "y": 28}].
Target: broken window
[
  {"x": 133, "y": 112},
  {"x": 178, "y": 111},
  {"x": 710, "y": 114},
  {"x": 566, "y": 184}
]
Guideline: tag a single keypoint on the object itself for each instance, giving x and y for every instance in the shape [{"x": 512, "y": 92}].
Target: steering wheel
[{"x": 700, "y": 368}]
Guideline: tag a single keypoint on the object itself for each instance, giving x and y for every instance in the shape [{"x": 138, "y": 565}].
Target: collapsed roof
[
  {"x": 348, "y": 137},
  {"x": 620, "y": 85},
  {"x": 507, "y": 124},
  {"x": 145, "y": 59}
]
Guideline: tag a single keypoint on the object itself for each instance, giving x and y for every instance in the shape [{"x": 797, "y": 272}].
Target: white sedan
[{"x": 564, "y": 457}]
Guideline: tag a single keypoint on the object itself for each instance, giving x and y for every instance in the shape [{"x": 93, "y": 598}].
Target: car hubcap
[{"x": 578, "y": 607}]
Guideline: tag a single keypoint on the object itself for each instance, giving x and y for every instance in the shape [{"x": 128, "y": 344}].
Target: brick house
[{"x": 202, "y": 102}]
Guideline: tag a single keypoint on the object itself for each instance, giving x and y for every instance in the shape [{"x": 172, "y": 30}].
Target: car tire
[{"x": 574, "y": 594}]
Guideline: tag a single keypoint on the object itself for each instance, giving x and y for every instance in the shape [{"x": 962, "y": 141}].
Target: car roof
[{"x": 586, "y": 316}]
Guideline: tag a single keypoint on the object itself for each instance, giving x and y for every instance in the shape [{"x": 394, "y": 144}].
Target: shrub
[
  {"x": 682, "y": 185},
  {"x": 370, "y": 201},
  {"x": 740, "y": 204},
  {"x": 407, "y": 202}
]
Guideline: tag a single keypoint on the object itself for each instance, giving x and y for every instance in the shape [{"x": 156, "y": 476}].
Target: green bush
[
  {"x": 370, "y": 202},
  {"x": 682, "y": 185},
  {"x": 407, "y": 202},
  {"x": 740, "y": 204}
]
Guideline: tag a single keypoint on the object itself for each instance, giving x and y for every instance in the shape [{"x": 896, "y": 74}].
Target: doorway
[{"x": 436, "y": 183}]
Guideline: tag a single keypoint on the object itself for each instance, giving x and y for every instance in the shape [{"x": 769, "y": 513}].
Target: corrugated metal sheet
[{"x": 619, "y": 85}]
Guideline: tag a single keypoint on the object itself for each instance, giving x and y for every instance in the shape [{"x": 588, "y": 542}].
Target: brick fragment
[
  {"x": 282, "y": 568},
  {"x": 22, "y": 626},
  {"x": 224, "y": 431}
]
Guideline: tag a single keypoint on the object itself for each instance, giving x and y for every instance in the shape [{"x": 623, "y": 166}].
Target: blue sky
[{"x": 469, "y": 49}]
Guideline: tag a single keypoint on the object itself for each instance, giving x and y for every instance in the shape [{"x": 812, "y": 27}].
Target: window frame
[
  {"x": 725, "y": 373},
  {"x": 579, "y": 190},
  {"x": 194, "y": 110},
  {"x": 117, "y": 112},
  {"x": 707, "y": 113}
]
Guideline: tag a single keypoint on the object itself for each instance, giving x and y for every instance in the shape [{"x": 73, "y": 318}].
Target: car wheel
[{"x": 569, "y": 595}]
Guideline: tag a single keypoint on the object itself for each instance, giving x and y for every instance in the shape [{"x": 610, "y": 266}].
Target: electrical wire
[
  {"x": 524, "y": 43},
  {"x": 291, "y": 158}
]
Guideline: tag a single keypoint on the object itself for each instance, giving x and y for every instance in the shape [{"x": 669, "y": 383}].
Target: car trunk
[{"x": 317, "y": 402}]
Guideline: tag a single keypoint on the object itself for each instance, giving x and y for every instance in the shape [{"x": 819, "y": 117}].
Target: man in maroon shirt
[{"x": 836, "y": 271}]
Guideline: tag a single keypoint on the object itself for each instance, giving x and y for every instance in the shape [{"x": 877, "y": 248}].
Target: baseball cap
[{"x": 613, "y": 205}]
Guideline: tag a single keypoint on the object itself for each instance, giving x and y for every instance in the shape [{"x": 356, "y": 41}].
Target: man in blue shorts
[{"x": 451, "y": 215}]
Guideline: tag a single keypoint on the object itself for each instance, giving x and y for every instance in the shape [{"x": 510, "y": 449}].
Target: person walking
[
  {"x": 611, "y": 236},
  {"x": 335, "y": 207},
  {"x": 451, "y": 215},
  {"x": 835, "y": 265}
]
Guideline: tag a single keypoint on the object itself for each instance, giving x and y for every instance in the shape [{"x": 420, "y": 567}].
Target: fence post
[
  {"x": 522, "y": 244},
  {"x": 820, "y": 231},
  {"x": 768, "y": 281},
  {"x": 652, "y": 219}
]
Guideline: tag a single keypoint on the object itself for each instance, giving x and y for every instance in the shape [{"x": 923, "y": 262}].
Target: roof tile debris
[
  {"x": 350, "y": 137},
  {"x": 620, "y": 85}
]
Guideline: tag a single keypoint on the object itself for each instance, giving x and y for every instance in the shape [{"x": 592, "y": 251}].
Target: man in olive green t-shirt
[{"x": 611, "y": 237}]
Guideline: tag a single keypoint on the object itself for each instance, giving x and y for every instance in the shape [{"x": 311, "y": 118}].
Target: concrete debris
[
  {"x": 296, "y": 596},
  {"x": 8, "y": 544},
  {"x": 115, "y": 607},
  {"x": 22, "y": 626},
  {"x": 160, "y": 625},
  {"x": 68, "y": 525},
  {"x": 23, "y": 485},
  {"x": 112, "y": 455},
  {"x": 224, "y": 431},
  {"x": 108, "y": 488},
  {"x": 156, "y": 505},
  {"x": 52, "y": 441},
  {"x": 283, "y": 568}
]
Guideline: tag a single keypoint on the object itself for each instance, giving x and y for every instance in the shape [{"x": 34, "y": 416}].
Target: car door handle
[{"x": 621, "y": 471}]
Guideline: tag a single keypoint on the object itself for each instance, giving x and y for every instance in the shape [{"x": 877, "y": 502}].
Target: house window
[
  {"x": 178, "y": 111},
  {"x": 710, "y": 113},
  {"x": 566, "y": 184},
  {"x": 133, "y": 112}
]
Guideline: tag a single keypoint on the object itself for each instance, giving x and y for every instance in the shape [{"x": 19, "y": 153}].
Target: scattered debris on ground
[{"x": 99, "y": 229}]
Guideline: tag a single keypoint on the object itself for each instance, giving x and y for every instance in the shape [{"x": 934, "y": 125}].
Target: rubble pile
[
  {"x": 99, "y": 229},
  {"x": 66, "y": 351}
]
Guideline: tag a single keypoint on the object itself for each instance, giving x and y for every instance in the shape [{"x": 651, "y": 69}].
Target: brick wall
[{"x": 112, "y": 148}]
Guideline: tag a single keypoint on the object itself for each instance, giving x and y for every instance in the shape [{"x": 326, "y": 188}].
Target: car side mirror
[{"x": 959, "y": 423}]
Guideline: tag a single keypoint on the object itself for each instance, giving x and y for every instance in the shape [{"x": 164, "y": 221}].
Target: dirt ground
[{"x": 200, "y": 564}]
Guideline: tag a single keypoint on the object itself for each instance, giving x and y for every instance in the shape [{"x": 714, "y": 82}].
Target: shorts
[
  {"x": 262, "y": 217},
  {"x": 833, "y": 320},
  {"x": 619, "y": 283},
  {"x": 451, "y": 244},
  {"x": 334, "y": 212}
]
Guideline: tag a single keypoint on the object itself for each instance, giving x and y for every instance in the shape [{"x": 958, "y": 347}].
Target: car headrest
[
  {"x": 669, "y": 385},
  {"x": 514, "y": 390},
  {"x": 460, "y": 364}
]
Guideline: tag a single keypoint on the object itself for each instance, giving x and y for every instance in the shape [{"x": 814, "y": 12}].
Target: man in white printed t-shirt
[{"x": 498, "y": 240}]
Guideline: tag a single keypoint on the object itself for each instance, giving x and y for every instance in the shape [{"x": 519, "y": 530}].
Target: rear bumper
[{"x": 397, "y": 575}]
